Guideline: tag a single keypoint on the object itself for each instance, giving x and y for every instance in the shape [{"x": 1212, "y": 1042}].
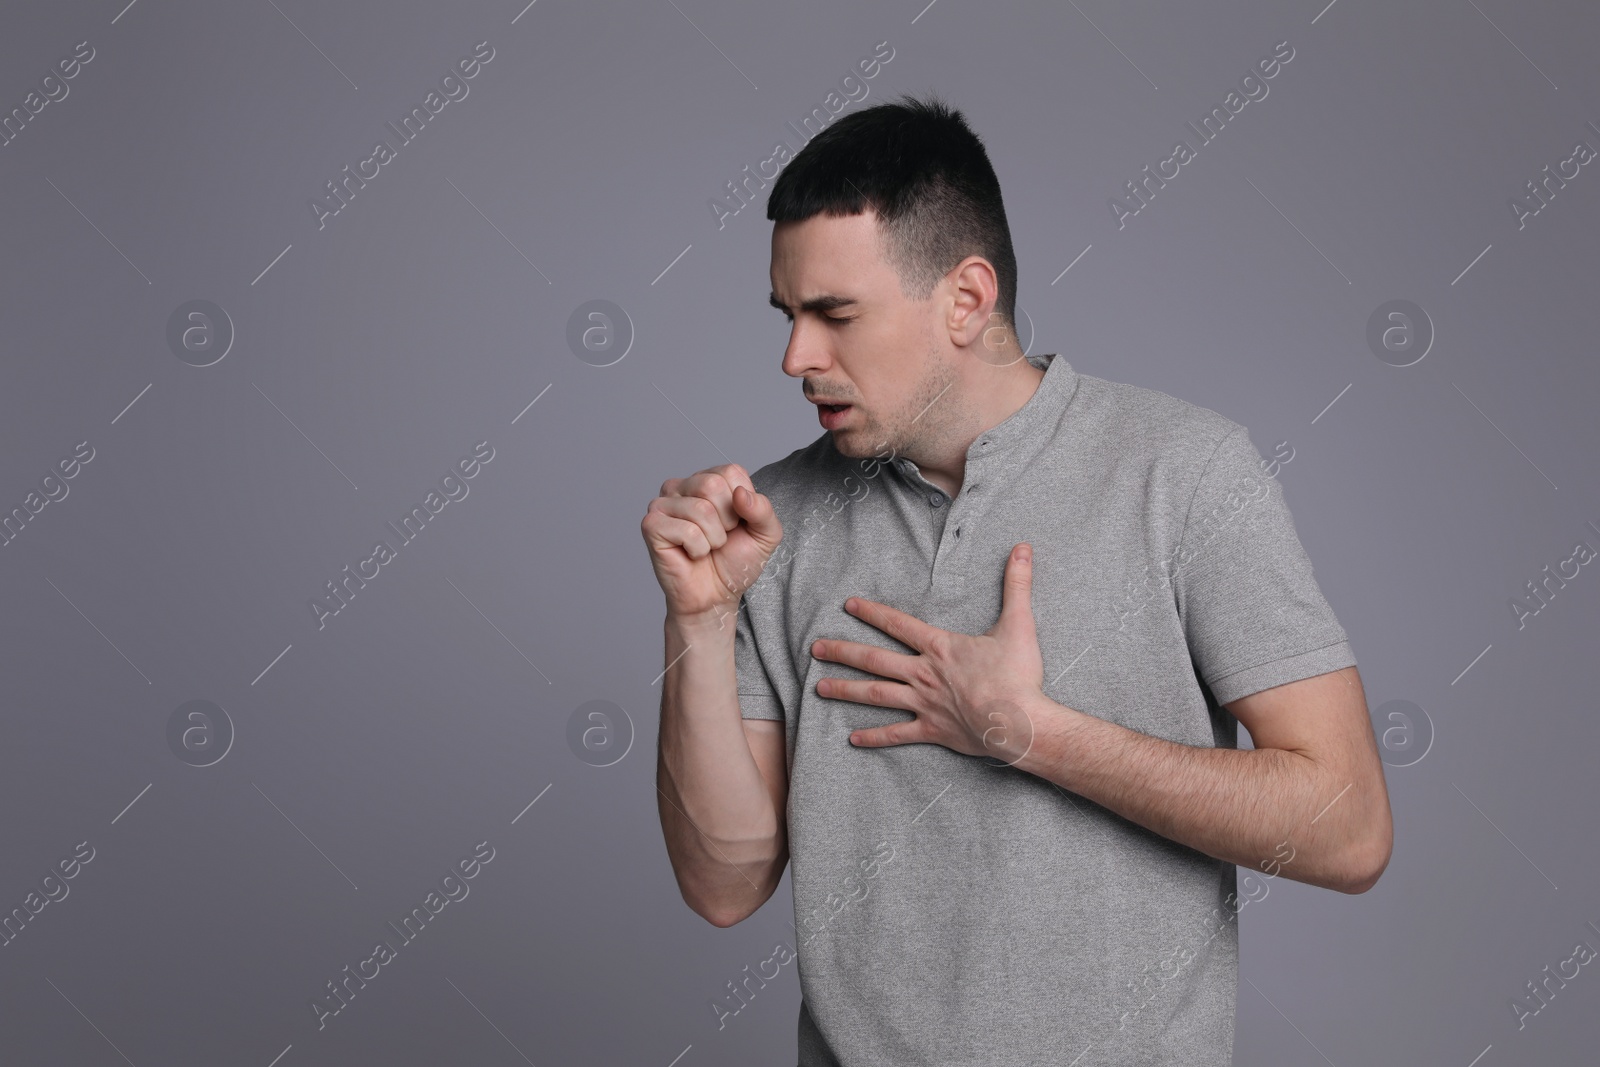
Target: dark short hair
[{"x": 919, "y": 166}]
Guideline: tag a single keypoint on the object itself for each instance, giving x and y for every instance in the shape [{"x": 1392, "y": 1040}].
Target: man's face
[{"x": 863, "y": 343}]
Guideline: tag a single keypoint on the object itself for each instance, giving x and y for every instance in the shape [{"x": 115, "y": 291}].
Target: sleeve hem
[
  {"x": 1250, "y": 680},
  {"x": 760, "y": 706}
]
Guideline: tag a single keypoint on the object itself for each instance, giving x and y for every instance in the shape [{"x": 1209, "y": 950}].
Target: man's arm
[
  {"x": 1309, "y": 801},
  {"x": 720, "y": 782},
  {"x": 721, "y": 790}
]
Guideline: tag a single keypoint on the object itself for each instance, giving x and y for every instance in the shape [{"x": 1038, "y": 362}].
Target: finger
[
  {"x": 869, "y": 658},
  {"x": 1016, "y": 595},
  {"x": 907, "y": 629},
  {"x": 735, "y": 476},
  {"x": 716, "y": 484},
  {"x": 882, "y": 694},
  {"x": 695, "y": 509},
  {"x": 896, "y": 733},
  {"x": 760, "y": 517},
  {"x": 663, "y": 531}
]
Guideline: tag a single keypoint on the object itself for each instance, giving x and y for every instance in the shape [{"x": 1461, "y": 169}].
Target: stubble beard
[{"x": 931, "y": 406}]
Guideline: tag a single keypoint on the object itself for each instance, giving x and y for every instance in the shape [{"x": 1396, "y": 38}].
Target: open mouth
[{"x": 832, "y": 416}]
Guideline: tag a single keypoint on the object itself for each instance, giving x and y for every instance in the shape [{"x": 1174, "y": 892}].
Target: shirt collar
[
  {"x": 1029, "y": 423},
  {"x": 1034, "y": 418}
]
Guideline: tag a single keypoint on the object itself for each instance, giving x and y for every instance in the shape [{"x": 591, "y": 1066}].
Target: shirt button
[{"x": 936, "y": 499}]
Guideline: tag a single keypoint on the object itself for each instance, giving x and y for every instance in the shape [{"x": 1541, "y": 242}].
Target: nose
[{"x": 807, "y": 352}]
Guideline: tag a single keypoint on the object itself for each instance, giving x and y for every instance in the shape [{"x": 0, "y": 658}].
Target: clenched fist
[{"x": 709, "y": 536}]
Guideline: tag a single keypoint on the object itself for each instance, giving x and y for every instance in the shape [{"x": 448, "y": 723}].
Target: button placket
[{"x": 960, "y": 506}]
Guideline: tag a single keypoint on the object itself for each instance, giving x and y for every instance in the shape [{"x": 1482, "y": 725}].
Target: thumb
[
  {"x": 757, "y": 512},
  {"x": 1016, "y": 596}
]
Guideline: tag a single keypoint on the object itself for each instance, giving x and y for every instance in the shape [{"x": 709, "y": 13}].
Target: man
[{"x": 988, "y": 638}]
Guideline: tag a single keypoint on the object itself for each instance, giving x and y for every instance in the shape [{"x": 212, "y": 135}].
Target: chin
[
  {"x": 841, "y": 440},
  {"x": 851, "y": 444}
]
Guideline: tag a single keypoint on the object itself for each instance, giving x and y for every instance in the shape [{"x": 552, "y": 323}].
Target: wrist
[
  {"x": 1050, "y": 725},
  {"x": 717, "y": 621}
]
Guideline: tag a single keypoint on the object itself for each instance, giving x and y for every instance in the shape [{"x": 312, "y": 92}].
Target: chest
[{"x": 1105, "y": 615}]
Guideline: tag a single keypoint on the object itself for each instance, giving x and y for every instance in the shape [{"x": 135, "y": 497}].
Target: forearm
[
  {"x": 1267, "y": 809},
  {"x": 722, "y": 833}
]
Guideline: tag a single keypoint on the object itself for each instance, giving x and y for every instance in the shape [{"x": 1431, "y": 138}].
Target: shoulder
[
  {"x": 1164, "y": 450},
  {"x": 1130, "y": 419}
]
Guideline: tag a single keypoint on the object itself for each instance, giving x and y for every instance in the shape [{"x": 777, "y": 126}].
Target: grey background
[{"x": 430, "y": 713}]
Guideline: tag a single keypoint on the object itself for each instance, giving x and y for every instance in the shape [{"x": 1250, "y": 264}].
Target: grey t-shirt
[{"x": 952, "y": 910}]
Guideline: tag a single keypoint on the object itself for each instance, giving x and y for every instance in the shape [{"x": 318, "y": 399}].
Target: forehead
[{"x": 828, "y": 253}]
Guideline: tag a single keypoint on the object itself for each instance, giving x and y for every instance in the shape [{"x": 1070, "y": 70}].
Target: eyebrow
[{"x": 818, "y": 304}]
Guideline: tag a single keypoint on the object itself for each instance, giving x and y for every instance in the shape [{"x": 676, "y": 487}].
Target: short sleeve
[
  {"x": 758, "y": 698},
  {"x": 1252, "y": 613}
]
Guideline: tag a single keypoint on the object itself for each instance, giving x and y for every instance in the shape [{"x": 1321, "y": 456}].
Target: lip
[{"x": 832, "y": 420}]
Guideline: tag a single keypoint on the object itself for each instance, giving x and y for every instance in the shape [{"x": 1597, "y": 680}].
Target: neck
[{"x": 993, "y": 393}]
